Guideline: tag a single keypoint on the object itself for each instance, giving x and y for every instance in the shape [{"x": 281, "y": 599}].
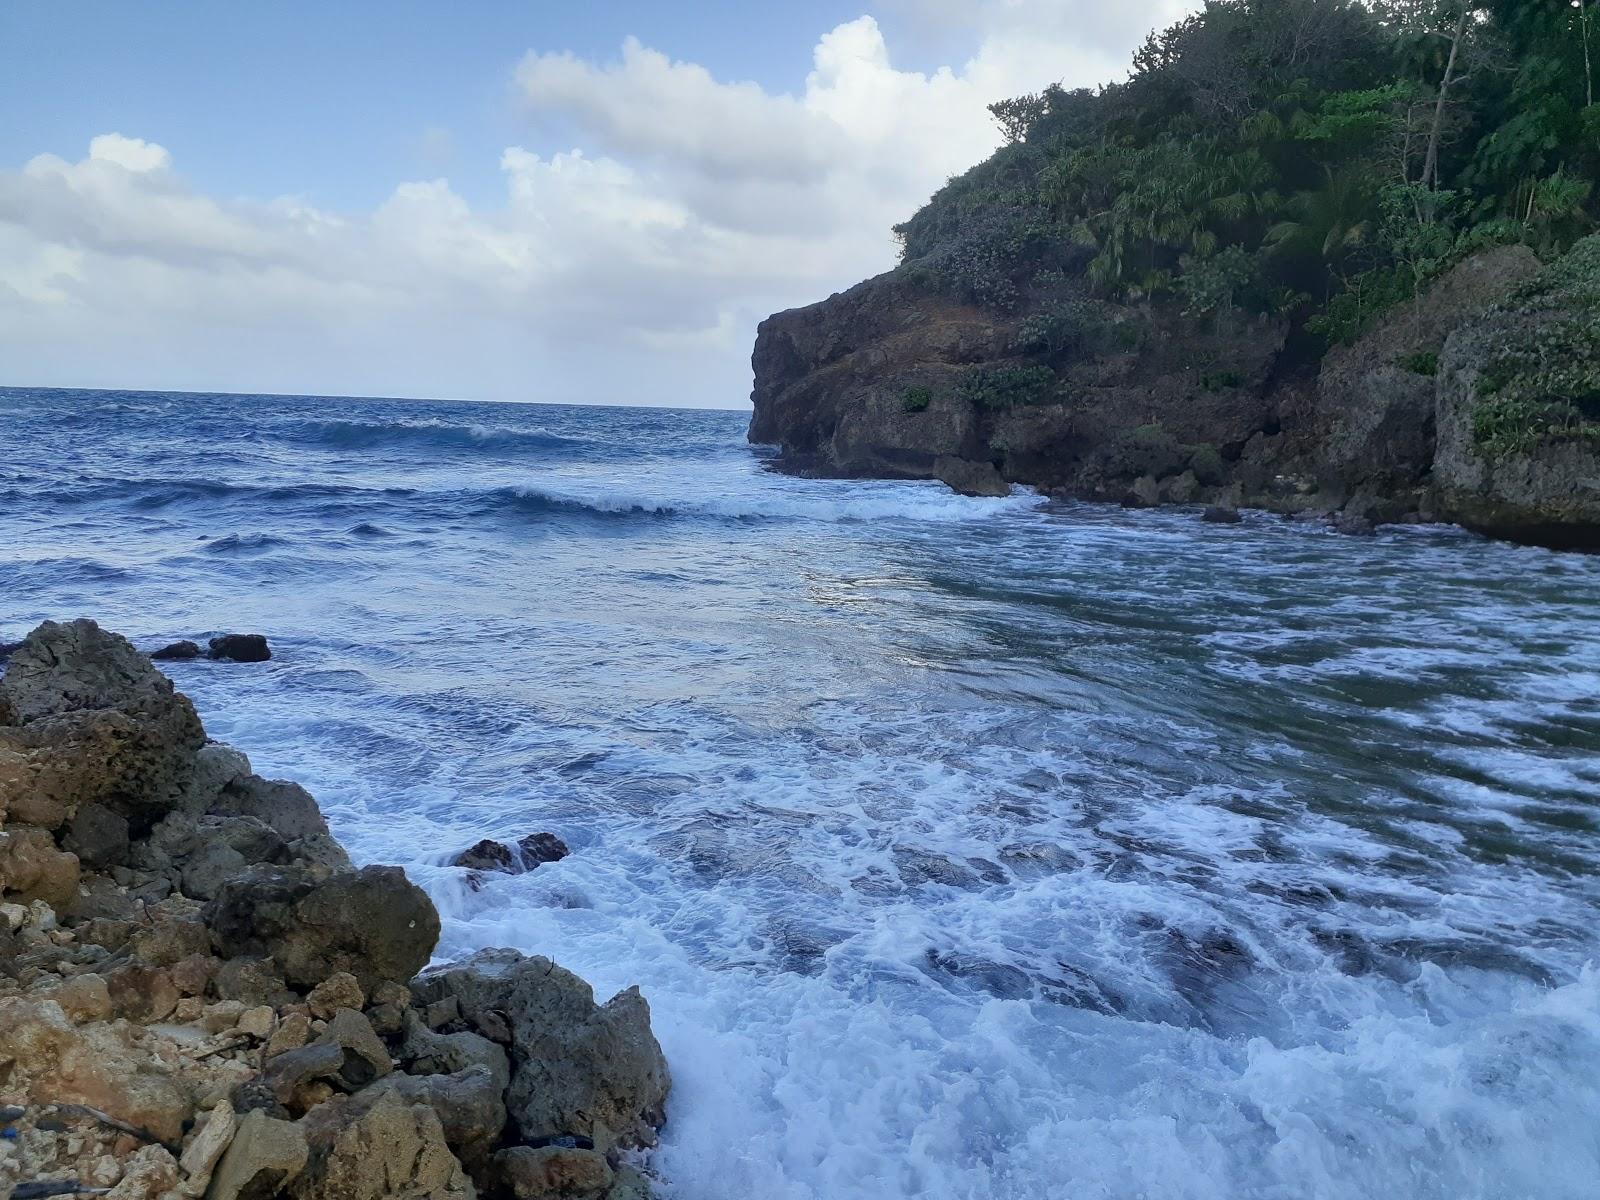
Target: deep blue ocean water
[{"x": 963, "y": 848}]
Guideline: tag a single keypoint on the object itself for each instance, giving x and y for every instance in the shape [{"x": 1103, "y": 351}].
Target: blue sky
[{"x": 497, "y": 200}]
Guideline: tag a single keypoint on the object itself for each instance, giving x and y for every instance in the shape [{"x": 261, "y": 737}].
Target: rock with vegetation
[
  {"x": 1519, "y": 410},
  {"x": 200, "y": 996},
  {"x": 1229, "y": 280}
]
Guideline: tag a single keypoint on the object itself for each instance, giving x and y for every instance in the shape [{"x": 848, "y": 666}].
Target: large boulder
[
  {"x": 577, "y": 1068},
  {"x": 44, "y": 1059},
  {"x": 1519, "y": 411},
  {"x": 33, "y": 868},
  {"x": 92, "y": 721},
  {"x": 374, "y": 1148},
  {"x": 374, "y": 923}
]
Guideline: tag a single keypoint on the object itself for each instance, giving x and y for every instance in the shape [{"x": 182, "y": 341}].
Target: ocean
[{"x": 963, "y": 848}]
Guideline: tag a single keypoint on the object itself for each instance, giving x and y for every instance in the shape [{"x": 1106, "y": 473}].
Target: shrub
[
  {"x": 916, "y": 398},
  {"x": 1000, "y": 388},
  {"x": 1423, "y": 362},
  {"x": 1221, "y": 380}
]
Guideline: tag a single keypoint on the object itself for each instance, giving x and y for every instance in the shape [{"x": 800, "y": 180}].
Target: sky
[{"x": 498, "y": 200}]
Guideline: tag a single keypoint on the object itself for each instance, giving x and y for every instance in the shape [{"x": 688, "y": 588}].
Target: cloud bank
[{"x": 630, "y": 267}]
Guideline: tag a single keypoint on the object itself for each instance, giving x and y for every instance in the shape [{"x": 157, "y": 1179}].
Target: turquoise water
[{"x": 963, "y": 848}]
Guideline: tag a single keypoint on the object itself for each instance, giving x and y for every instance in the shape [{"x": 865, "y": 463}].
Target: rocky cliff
[
  {"x": 201, "y": 996},
  {"x": 1145, "y": 405}
]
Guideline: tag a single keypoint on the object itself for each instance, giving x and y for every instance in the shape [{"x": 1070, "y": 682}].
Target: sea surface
[{"x": 963, "y": 848}]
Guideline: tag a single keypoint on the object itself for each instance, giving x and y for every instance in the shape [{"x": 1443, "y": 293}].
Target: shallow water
[{"x": 963, "y": 848}]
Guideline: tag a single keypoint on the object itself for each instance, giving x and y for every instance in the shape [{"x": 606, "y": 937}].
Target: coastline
[{"x": 200, "y": 995}]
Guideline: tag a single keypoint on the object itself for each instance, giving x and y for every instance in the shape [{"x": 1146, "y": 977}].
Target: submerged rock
[
  {"x": 240, "y": 647},
  {"x": 176, "y": 652},
  {"x": 528, "y": 853},
  {"x": 1216, "y": 514},
  {"x": 970, "y": 478}
]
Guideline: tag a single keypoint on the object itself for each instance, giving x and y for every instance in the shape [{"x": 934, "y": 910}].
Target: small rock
[
  {"x": 222, "y": 1016},
  {"x": 294, "y": 1031},
  {"x": 240, "y": 647},
  {"x": 201, "y": 1156},
  {"x": 441, "y": 1012},
  {"x": 256, "y": 1022},
  {"x": 265, "y": 1154},
  {"x": 387, "y": 1019},
  {"x": 1354, "y": 526},
  {"x": 189, "y": 1010},
  {"x": 193, "y": 975},
  {"x": 1217, "y": 514},
  {"x": 176, "y": 652},
  {"x": 365, "y": 1056},
  {"x": 290, "y": 1071},
  {"x": 339, "y": 990},
  {"x": 13, "y": 917},
  {"x": 150, "y": 1172}
]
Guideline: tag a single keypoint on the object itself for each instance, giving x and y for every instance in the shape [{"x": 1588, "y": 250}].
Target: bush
[
  {"x": 916, "y": 398},
  {"x": 1423, "y": 362},
  {"x": 1000, "y": 388},
  {"x": 1217, "y": 381}
]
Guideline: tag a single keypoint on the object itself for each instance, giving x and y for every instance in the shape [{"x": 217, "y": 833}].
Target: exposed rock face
[
  {"x": 1526, "y": 375},
  {"x": 200, "y": 997},
  {"x": 373, "y": 923},
  {"x": 1376, "y": 397},
  {"x": 890, "y": 381},
  {"x": 577, "y": 1067}
]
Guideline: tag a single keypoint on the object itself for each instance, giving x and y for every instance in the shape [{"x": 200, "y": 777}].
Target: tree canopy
[{"x": 1314, "y": 159}]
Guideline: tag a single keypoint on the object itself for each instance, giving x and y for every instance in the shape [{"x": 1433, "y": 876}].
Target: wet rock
[
  {"x": 240, "y": 647},
  {"x": 373, "y": 923},
  {"x": 529, "y": 852},
  {"x": 969, "y": 478},
  {"x": 552, "y": 1171},
  {"x": 1217, "y": 514},
  {"x": 1353, "y": 526},
  {"x": 923, "y": 866},
  {"x": 577, "y": 1067},
  {"x": 264, "y": 1155},
  {"x": 176, "y": 652},
  {"x": 998, "y": 979},
  {"x": 369, "y": 1152}
]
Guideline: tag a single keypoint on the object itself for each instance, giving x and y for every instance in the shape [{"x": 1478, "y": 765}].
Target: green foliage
[
  {"x": 1546, "y": 386},
  {"x": 1423, "y": 362},
  {"x": 1268, "y": 156},
  {"x": 916, "y": 398},
  {"x": 1221, "y": 380},
  {"x": 1075, "y": 327},
  {"x": 1000, "y": 388}
]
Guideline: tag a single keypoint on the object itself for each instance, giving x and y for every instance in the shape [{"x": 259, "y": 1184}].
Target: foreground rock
[{"x": 201, "y": 997}]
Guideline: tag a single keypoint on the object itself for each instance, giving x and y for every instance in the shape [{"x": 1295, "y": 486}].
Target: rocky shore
[
  {"x": 1475, "y": 403},
  {"x": 200, "y": 995}
]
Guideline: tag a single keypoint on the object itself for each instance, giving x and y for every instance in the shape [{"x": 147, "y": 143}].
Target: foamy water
[{"x": 963, "y": 848}]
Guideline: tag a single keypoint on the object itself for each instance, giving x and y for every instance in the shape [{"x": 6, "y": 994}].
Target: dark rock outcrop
[
  {"x": 891, "y": 380},
  {"x": 557, "y": 1037},
  {"x": 176, "y": 652},
  {"x": 240, "y": 647},
  {"x": 1519, "y": 411},
  {"x": 529, "y": 852}
]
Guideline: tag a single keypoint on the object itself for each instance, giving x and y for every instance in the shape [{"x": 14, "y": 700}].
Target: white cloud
[{"x": 641, "y": 260}]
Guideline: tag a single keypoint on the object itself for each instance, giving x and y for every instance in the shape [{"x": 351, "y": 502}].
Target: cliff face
[{"x": 1148, "y": 406}]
